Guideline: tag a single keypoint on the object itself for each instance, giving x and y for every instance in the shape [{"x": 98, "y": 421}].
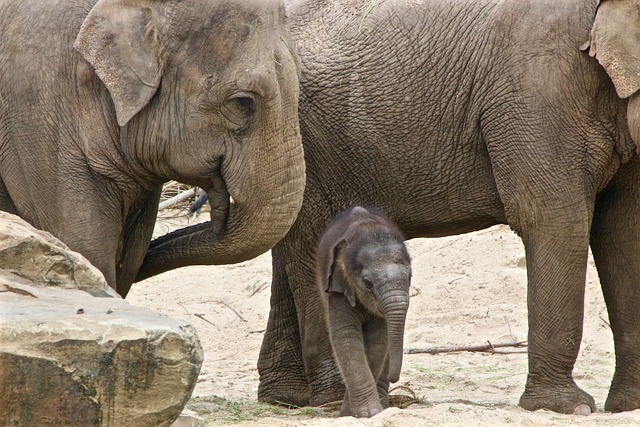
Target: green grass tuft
[{"x": 218, "y": 411}]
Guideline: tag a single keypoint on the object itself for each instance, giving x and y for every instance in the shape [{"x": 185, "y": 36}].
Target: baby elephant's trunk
[{"x": 395, "y": 306}]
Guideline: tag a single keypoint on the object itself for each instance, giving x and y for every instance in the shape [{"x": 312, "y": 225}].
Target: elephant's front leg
[
  {"x": 556, "y": 253},
  {"x": 137, "y": 233},
  {"x": 615, "y": 244},
  {"x": 377, "y": 349},
  {"x": 348, "y": 341}
]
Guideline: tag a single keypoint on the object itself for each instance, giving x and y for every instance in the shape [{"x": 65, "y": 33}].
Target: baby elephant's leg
[
  {"x": 349, "y": 349},
  {"x": 383, "y": 385},
  {"x": 376, "y": 345}
]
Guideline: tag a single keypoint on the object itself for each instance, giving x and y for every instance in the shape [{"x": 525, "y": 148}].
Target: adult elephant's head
[
  {"x": 205, "y": 93},
  {"x": 614, "y": 42}
]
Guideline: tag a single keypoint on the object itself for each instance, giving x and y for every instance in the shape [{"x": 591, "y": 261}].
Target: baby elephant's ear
[{"x": 336, "y": 282}]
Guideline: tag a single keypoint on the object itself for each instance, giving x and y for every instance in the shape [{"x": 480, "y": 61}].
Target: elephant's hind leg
[
  {"x": 280, "y": 365},
  {"x": 553, "y": 219},
  {"x": 615, "y": 243},
  {"x": 556, "y": 252}
]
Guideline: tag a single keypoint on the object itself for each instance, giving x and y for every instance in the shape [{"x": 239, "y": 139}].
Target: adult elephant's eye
[
  {"x": 243, "y": 105},
  {"x": 239, "y": 109}
]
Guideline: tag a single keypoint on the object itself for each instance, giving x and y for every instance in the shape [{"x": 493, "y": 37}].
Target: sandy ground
[{"x": 466, "y": 290}]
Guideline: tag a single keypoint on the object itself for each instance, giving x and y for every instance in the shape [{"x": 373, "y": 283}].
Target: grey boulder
[{"x": 74, "y": 353}]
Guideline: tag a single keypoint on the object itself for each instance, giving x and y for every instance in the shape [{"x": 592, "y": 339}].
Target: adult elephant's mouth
[{"x": 220, "y": 202}]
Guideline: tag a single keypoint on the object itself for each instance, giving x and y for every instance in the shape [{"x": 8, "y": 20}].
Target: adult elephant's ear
[
  {"x": 614, "y": 41},
  {"x": 119, "y": 39}
]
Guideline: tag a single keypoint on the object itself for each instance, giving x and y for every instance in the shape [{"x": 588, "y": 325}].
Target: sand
[{"x": 466, "y": 290}]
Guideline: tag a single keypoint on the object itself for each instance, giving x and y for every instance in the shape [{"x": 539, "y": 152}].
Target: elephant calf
[{"x": 363, "y": 271}]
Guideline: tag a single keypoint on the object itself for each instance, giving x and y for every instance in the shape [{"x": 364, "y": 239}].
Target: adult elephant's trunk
[
  {"x": 253, "y": 204},
  {"x": 394, "y": 307}
]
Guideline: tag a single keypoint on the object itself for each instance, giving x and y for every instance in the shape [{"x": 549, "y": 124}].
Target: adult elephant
[
  {"x": 101, "y": 102},
  {"x": 452, "y": 116}
]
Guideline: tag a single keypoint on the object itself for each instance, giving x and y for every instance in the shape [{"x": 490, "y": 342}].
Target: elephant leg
[
  {"x": 615, "y": 244},
  {"x": 138, "y": 231},
  {"x": 383, "y": 385},
  {"x": 376, "y": 345},
  {"x": 556, "y": 251},
  {"x": 349, "y": 341},
  {"x": 281, "y": 367},
  {"x": 345, "y": 408},
  {"x": 6, "y": 204}
]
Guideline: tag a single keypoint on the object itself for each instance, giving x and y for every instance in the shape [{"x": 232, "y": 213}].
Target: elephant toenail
[{"x": 582, "y": 409}]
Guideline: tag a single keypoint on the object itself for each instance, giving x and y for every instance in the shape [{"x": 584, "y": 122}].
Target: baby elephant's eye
[{"x": 368, "y": 284}]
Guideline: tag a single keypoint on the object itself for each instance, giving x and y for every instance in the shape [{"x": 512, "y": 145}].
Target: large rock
[
  {"x": 70, "y": 358},
  {"x": 41, "y": 258}
]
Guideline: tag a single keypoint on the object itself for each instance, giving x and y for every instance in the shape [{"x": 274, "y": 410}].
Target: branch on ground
[{"x": 520, "y": 347}]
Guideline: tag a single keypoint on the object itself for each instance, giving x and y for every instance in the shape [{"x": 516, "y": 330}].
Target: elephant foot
[
  {"x": 383, "y": 392},
  {"x": 568, "y": 399},
  {"x": 327, "y": 395},
  {"x": 384, "y": 399},
  {"x": 622, "y": 400},
  {"x": 365, "y": 410},
  {"x": 283, "y": 393},
  {"x": 284, "y": 399},
  {"x": 290, "y": 388},
  {"x": 327, "y": 385}
]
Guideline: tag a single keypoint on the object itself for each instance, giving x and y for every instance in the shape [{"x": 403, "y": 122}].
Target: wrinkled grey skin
[
  {"x": 363, "y": 273},
  {"x": 454, "y": 115},
  {"x": 100, "y": 104}
]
